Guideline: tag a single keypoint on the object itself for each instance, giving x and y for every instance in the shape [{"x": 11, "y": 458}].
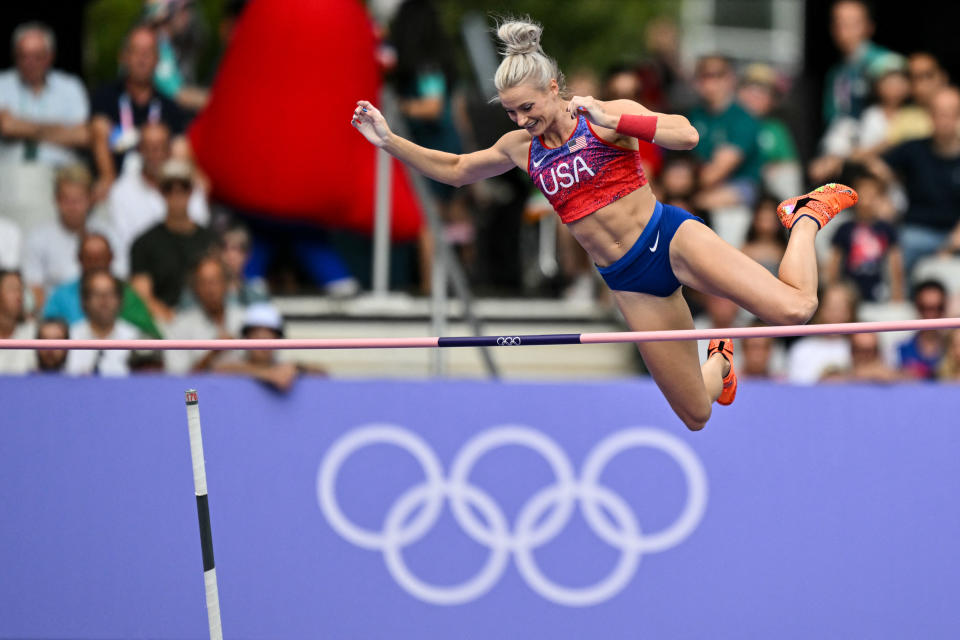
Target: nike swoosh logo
[
  {"x": 537, "y": 164},
  {"x": 653, "y": 249}
]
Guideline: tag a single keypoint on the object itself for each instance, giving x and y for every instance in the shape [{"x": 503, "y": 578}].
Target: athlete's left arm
[{"x": 672, "y": 131}]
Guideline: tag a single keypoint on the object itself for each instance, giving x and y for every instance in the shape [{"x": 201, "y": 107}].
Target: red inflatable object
[{"x": 276, "y": 137}]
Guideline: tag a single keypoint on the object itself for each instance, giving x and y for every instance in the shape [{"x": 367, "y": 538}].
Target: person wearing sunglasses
[{"x": 161, "y": 258}]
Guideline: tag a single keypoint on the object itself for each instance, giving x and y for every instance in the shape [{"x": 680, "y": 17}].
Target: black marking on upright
[{"x": 206, "y": 536}]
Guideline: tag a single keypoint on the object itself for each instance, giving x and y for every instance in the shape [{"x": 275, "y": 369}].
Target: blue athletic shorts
[{"x": 645, "y": 268}]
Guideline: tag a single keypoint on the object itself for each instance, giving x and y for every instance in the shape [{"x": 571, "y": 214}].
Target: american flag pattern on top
[
  {"x": 585, "y": 173},
  {"x": 578, "y": 143}
]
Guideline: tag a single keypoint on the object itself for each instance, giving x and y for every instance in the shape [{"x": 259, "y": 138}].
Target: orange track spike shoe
[
  {"x": 820, "y": 205},
  {"x": 724, "y": 347}
]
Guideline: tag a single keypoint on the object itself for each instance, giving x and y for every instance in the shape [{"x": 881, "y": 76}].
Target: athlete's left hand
[{"x": 592, "y": 109}]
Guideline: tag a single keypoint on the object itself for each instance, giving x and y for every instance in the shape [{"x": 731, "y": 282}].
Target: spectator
[
  {"x": 662, "y": 39},
  {"x": 811, "y": 358},
  {"x": 920, "y": 355},
  {"x": 930, "y": 172},
  {"x": 927, "y": 78},
  {"x": 50, "y": 256},
  {"x": 43, "y": 111},
  {"x": 13, "y": 325},
  {"x": 180, "y": 38},
  {"x": 122, "y": 107},
  {"x": 94, "y": 254},
  {"x": 235, "y": 253},
  {"x": 52, "y": 360},
  {"x": 10, "y": 241},
  {"x": 214, "y": 317},
  {"x": 949, "y": 370},
  {"x": 866, "y": 364},
  {"x": 728, "y": 144},
  {"x": 851, "y": 137},
  {"x": 263, "y": 322},
  {"x": 101, "y": 293},
  {"x": 891, "y": 88},
  {"x": 865, "y": 250},
  {"x": 43, "y": 114},
  {"x": 135, "y": 203},
  {"x": 759, "y": 357},
  {"x": 161, "y": 258},
  {"x": 760, "y": 94},
  {"x": 678, "y": 178},
  {"x": 766, "y": 238},
  {"x": 424, "y": 79},
  {"x": 847, "y": 84},
  {"x": 626, "y": 82}
]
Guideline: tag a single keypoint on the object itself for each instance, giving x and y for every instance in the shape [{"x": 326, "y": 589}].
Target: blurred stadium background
[{"x": 831, "y": 519}]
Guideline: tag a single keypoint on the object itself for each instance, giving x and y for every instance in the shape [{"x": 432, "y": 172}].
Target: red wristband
[{"x": 639, "y": 127}]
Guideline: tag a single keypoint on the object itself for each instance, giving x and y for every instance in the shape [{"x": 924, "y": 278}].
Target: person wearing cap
[
  {"x": 855, "y": 138},
  {"x": 163, "y": 256},
  {"x": 891, "y": 87},
  {"x": 759, "y": 94},
  {"x": 262, "y": 321}
]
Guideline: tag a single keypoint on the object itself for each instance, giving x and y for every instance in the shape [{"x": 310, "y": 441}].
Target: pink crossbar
[
  {"x": 771, "y": 332},
  {"x": 430, "y": 342}
]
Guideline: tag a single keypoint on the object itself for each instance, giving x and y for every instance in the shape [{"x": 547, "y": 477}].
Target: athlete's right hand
[{"x": 368, "y": 120}]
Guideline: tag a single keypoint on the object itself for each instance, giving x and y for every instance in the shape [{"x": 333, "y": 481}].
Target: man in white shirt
[
  {"x": 813, "y": 358},
  {"x": 135, "y": 203},
  {"x": 214, "y": 317},
  {"x": 44, "y": 111},
  {"x": 50, "y": 254},
  {"x": 43, "y": 114},
  {"x": 100, "y": 292},
  {"x": 13, "y": 326}
]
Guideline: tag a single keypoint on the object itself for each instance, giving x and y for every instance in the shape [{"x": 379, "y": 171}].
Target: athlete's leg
[
  {"x": 689, "y": 387},
  {"x": 703, "y": 260}
]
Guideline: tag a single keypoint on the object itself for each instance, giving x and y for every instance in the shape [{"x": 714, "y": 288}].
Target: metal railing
[{"x": 445, "y": 269}]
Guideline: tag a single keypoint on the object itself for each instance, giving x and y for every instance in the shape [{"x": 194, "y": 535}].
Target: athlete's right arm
[{"x": 449, "y": 168}]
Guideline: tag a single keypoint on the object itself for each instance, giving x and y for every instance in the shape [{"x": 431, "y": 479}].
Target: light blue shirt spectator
[{"x": 62, "y": 100}]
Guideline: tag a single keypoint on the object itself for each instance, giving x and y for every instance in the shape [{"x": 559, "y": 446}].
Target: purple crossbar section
[
  {"x": 492, "y": 341},
  {"x": 511, "y": 341}
]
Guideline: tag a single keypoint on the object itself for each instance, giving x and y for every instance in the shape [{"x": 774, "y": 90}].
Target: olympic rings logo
[
  {"x": 509, "y": 341},
  {"x": 539, "y": 520}
]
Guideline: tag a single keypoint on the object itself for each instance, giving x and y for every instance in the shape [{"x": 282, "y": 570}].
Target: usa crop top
[{"x": 585, "y": 173}]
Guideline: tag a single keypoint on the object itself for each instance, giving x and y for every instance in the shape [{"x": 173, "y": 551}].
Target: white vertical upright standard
[
  {"x": 203, "y": 514},
  {"x": 438, "y": 296},
  {"x": 381, "y": 222}
]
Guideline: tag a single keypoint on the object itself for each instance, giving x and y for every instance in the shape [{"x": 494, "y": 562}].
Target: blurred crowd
[{"x": 107, "y": 229}]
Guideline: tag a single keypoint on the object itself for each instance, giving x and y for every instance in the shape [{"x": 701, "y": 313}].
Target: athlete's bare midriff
[{"x": 609, "y": 232}]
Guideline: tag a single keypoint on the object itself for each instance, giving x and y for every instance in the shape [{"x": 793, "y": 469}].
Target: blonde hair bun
[
  {"x": 524, "y": 60},
  {"x": 520, "y": 37}
]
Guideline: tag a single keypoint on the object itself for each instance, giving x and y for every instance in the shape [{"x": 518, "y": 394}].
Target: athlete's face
[{"x": 532, "y": 108}]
